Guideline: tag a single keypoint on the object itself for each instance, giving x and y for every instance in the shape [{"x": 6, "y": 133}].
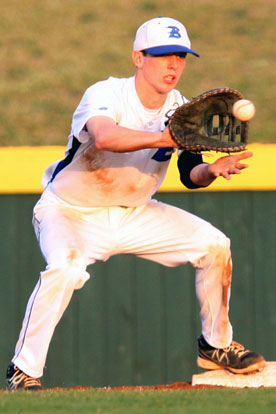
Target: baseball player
[{"x": 97, "y": 202}]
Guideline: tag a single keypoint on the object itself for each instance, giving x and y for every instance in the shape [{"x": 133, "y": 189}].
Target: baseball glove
[{"x": 207, "y": 123}]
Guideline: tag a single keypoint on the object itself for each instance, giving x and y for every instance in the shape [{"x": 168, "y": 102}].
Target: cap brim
[{"x": 163, "y": 50}]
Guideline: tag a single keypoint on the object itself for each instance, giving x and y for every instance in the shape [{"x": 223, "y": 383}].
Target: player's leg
[
  {"x": 64, "y": 237},
  {"x": 173, "y": 237},
  {"x": 65, "y": 272}
]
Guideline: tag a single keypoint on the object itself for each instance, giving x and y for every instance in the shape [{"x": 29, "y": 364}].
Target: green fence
[{"x": 136, "y": 322}]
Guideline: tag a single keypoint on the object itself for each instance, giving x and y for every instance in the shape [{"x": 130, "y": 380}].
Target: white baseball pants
[{"x": 71, "y": 238}]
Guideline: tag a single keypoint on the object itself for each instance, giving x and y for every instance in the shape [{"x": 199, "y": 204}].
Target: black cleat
[
  {"x": 234, "y": 358},
  {"x": 17, "y": 379}
]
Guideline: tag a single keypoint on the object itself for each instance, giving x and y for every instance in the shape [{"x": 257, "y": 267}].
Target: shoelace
[
  {"x": 221, "y": 355},
  {"x": 16, "y": 379},
  {"x": 235, "y": 347},
  {"x": 31, "y": 382},
  {"x": 20, "y": 376}
]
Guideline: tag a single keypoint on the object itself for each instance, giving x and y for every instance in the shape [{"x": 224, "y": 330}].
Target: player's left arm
[{"x": 204, "y": 174}]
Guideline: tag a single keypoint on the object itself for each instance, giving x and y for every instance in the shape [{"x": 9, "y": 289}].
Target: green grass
[
  {"x": 209, "y": 401},
  {"x": 52, "y": 50}
]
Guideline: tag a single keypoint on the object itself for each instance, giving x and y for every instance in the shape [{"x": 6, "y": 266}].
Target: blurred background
[{"x": 52, "y": 50}]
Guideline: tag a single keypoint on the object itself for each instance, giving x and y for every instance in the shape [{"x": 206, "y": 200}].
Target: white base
[{"x": 264, "y": 378}]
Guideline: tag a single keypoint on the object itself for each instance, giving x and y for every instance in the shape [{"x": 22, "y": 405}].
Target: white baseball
[{"x": 244, "y": 110}]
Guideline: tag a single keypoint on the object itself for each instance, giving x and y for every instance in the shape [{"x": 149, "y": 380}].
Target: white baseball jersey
[{"x": 93, "y": 178}]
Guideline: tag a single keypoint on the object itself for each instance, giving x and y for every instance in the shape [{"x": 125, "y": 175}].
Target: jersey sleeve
[
  {"x": 186, "y": 162},
  {"x": 98, "y": 100}
]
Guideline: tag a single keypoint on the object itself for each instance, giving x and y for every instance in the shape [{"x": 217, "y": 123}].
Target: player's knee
[
  {"x": 217, "y": 237},
  {"x": 66, "y": 257},
  {"x": 224, "y": 242},
  {"x": 67, "y": 269},
  {"x": 217, "y": 246},
  {"x": 64, "y": 277},
  {"x": 219, "y": 250}
]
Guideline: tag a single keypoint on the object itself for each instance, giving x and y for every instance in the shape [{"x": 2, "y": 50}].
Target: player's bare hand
[{"x": 228, "y": 165}]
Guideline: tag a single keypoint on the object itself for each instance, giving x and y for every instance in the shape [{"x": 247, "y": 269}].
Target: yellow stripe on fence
[
  {"x": 260, "y": 175},
  {"x": 21, "y": 169}
]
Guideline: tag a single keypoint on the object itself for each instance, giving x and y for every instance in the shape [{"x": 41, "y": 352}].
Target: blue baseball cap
[{"x": 161, "y": 36}]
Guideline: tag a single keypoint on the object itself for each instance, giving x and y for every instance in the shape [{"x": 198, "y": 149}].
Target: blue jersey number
[{"x": 163, "y": 154}]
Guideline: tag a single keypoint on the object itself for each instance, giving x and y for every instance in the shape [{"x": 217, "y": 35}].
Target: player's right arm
[{"x": 108, "y": 136}]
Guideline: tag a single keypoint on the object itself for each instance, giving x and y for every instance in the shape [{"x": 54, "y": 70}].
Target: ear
[{"x": 138, "y": 58}]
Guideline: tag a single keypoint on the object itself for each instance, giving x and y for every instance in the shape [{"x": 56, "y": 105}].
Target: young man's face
[{"x": 161, "y": 73}]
